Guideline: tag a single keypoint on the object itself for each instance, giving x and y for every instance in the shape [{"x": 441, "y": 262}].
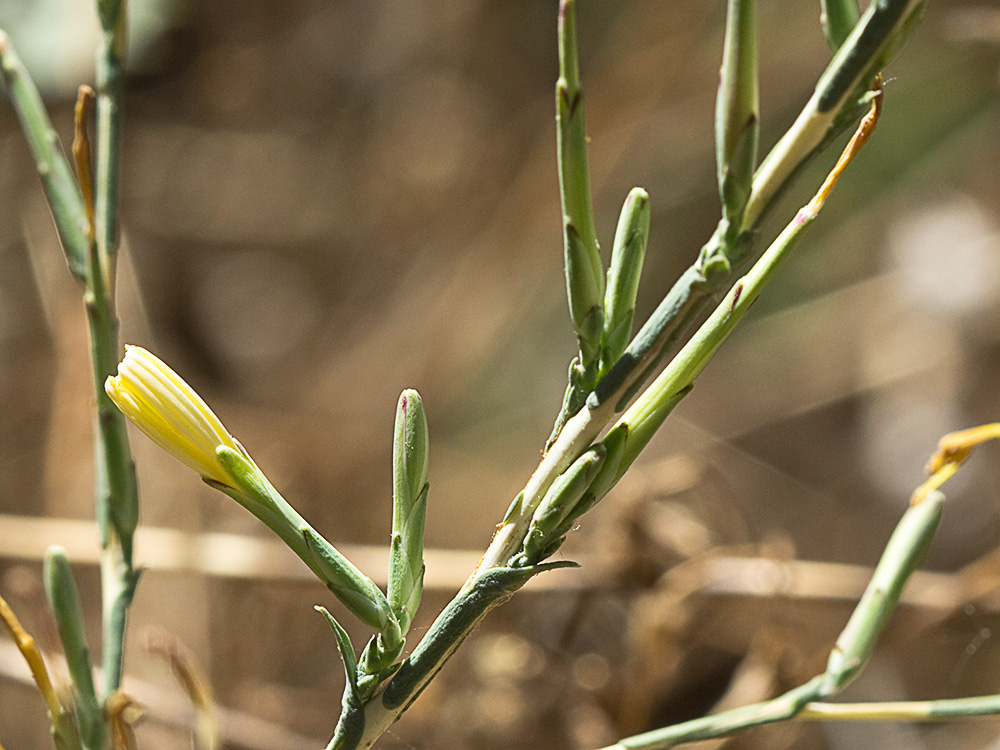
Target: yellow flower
[{"x": 158, "y": 401}]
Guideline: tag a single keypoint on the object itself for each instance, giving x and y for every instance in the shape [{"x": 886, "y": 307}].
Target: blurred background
[{"x": 327, "y": 202}]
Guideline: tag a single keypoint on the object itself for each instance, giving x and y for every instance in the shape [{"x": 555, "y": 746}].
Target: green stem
[
  {"x": 92, "y": 260},
  {"x": 267, "y": 504},
  {"x": 903, "y": 553},
  {"x": 118, "y": 581},
  {"x": 450, "y": 629},
  {"x": 356, "y": 591},
  {"x": 790, "y": 707},
  {"x": 737, "y": 111},
  {"x": 115, "y": 484},
  {"x": 110, "y": 108},
  {"x": 980, "y": 706},
  {"x": 830, "y": 110},
  {"x": 581, "y": 251},
  {"x": 782, "y": 708},
  {"x": 581, "y": 430},
  {"x": 584, "y": 271},
  {"x": 696, "y": 354},
  {"x": 116, "y": 488}
]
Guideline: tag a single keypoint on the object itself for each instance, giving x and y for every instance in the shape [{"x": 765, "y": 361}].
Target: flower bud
[
  {"x": 158, "y": 401},
  {"x": 409, "y": 505}
]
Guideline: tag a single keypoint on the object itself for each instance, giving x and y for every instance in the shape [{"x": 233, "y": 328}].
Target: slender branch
[
  {"x": 113, "y": 16},
  {"x": 737, "y": 112},
  {"x": 903, "y": 553},
  {"x": 581, "y": 252},
  {"x": 586, "y": 425},
  {"x": 584, "y": 272},
  {"x": 115, "y": 487},
  {"x": 876, "y": 38},
  {"x": 645, "y": 416},
  {"x": 61, "y": 191},
  {"x": 782, "y": 708},
  {"x": 838, "y": 100},
  {"x": 978, "y": 707}
]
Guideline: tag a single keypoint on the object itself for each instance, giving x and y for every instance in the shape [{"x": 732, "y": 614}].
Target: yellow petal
[{"x": 158, "y": 401}]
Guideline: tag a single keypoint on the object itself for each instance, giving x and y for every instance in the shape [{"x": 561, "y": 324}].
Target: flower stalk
[{"x": 169, "y": 411}]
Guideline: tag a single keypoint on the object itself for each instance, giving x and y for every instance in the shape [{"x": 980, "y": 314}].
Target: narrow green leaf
[
  {"x": 347, "y": 654},
  {"x": 54, "y": 170},
  {"x": 64, "y": 601},
  {"x": 623, "y": 275},
  {"x": 585, "y": 289},
  {"x": 558, "y": 502},
  {"x": 607, "y": 476},
  {"x": 351, "y": 724}
]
